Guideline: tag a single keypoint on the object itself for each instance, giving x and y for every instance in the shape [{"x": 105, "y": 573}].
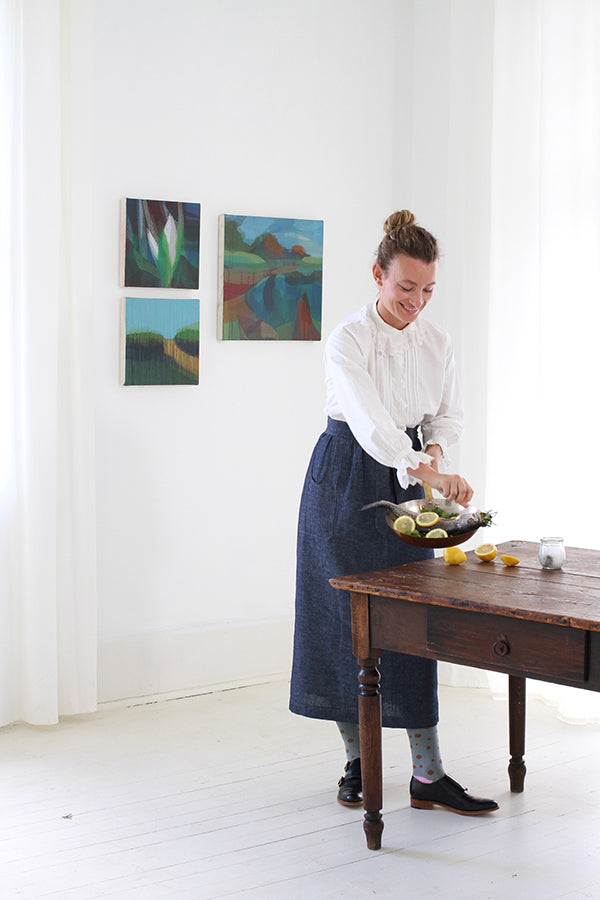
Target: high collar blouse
[{"x": 381, "y": 381}]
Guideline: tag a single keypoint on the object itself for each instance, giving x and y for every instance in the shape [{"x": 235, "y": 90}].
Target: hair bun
[
  {"x": 398, "y": 221},
  {"x": 404, "y": 236}
]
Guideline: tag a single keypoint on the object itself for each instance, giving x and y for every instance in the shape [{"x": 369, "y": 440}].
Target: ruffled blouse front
[{"x": 381, "y": 380}]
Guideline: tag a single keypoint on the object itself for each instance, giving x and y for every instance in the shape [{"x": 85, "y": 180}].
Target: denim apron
[{"x": 336, "y": 538}]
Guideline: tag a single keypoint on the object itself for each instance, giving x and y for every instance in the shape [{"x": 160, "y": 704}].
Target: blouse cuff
[
  {"x": 444, "y": 462},
  {"x": 444, "y": 459},
  {"x": 410, "y": 460}
]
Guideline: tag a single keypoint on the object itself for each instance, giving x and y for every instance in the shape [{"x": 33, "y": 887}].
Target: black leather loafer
[
  {"x": 449, "y": 794},
  {"x": 350, "y": 785}
]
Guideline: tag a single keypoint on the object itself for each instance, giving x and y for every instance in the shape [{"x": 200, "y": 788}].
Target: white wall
[
  {"x": 278, "y": 109},
  {"x": 334, "y": 109}
]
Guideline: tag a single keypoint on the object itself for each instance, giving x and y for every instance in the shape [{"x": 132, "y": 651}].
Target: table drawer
[{"x": 505, "y": 644}]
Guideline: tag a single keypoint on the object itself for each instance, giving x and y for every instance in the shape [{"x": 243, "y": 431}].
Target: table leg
[
  {"x": 516, "y": 725},
  {"x": 369, "y": 717}
]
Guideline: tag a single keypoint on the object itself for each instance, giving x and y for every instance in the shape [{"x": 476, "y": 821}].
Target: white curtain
[
  {"x": 47, "y": 533},
  {"x": 544, "y": 426}
]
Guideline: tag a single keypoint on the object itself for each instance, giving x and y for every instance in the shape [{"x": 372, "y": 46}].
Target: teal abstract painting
[
  {"x": 160, "y": 340},
  {"x": 270, "y": 279},
  {"x": 160, "y": 244}
]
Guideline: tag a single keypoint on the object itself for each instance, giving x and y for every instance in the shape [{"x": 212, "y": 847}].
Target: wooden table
[{"x": 524, "y": 621}]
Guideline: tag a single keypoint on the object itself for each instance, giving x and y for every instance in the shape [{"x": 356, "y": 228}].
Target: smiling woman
[
  {"x": 394, "y": 405},
  {"x": 404, "y": 290}
]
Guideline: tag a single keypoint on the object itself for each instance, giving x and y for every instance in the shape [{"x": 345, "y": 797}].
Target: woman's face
[{"x": 405, "y": 289}]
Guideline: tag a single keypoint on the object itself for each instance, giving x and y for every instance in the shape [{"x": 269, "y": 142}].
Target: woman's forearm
[{"x": 435, "y": 451}]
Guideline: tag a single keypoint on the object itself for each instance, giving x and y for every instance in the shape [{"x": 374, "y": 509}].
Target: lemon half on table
[
  {"x": 509, "y": 560},
  {"x": 486, "y": 552},
  {"x": 454, "y": 556}
]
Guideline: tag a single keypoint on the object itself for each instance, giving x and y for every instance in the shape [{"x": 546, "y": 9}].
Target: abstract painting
[
  {"x": 160, "y": 340},
  {"x": 160, "y": 244},
  {"x": 270, "y": 279}
]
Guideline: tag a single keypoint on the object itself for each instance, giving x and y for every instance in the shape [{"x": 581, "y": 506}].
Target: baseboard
[
  {"x": 453, "y": 675},
  {"x": 184, "y": 662},
  {"x": 188, "y": 661}
]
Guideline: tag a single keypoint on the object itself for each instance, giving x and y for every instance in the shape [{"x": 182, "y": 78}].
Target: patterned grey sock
[
  {"x": 351, "y": 739},
  {"x": 425, "y": 750}
]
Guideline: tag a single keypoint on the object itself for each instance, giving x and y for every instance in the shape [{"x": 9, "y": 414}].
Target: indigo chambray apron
[{"x": 336, "y": 538}]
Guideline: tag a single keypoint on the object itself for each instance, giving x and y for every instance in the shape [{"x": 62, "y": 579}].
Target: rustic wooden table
[{"x": 524, "y": 621}]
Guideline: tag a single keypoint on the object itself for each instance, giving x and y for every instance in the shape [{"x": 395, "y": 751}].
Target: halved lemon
[
  {"x": 509, "y": 560},
  {"x": 427, "y": 519},
  {"x": 437, "y": 533},
  {"x": 404, "y": 524},
  {"x": 486, "y": 552},
  {"x": 454, "y": 556}
]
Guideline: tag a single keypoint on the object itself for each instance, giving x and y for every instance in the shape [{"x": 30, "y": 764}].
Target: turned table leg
[
  {"x": 369, "y": 717},
  {"x": 516, "y": 725}
]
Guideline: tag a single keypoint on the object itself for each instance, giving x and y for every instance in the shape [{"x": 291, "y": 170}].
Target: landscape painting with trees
[
  {"x": 270, "y": 278},
  {"x": 160, "y": 340}
]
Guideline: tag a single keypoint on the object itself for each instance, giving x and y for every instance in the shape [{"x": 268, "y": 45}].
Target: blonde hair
[{"x": 404, "y": 236}]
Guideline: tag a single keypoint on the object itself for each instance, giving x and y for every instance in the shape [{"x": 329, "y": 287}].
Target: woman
[{"x": 392, "y": 390}]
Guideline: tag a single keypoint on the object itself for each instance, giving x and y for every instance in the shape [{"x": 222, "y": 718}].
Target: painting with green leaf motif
[
  {"x": 160, "y": 244},
  {"x": 160, "y": 340},
  {"x": 270, "y": 279}
]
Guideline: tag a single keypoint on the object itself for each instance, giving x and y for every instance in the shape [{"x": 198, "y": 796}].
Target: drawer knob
[{"x": 501, "y": 647}]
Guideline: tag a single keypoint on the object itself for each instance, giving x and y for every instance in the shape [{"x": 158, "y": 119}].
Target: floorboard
[{"x": 228, "y": 795}]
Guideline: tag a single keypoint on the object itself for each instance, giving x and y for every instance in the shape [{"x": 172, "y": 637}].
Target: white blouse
[{"x": 381, "y": 381}]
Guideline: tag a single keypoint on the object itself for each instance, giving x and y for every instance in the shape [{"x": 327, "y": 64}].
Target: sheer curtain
[
  {"x": 543, "y": 435},
  {"x": 47, "y": 536}
]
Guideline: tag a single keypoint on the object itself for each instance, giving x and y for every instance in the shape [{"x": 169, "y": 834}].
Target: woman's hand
[
  {"x": 454, "y": 487},
  {"x": 451, "y": 487}
]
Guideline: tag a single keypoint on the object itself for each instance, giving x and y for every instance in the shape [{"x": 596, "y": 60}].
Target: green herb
[{"x": 443, "y": 514}]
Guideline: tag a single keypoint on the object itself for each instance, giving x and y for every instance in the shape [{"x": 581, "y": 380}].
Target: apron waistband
[{"x": 335, "y": 426}]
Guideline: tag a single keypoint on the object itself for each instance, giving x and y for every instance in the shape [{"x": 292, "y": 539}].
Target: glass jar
[{"x": 552, "y": 552}]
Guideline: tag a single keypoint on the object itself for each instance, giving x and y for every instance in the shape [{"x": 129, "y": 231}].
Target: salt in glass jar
[{"x": 552, "y": 552}]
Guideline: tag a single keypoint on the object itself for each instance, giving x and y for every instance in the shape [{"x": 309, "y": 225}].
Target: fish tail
[{"x": 387, "y": 503}]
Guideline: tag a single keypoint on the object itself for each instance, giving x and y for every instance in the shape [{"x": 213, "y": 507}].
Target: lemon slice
[
  {"x": 437, "y": 533},
  {"x": 486, "y": 552},
  {"x": 454, "y": 556},
  {"x": 404, "y": 524},
  {"x": 509, "y": 560},
  {"x": 427, "y": 519}
]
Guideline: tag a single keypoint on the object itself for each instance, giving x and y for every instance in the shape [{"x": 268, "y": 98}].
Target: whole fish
[{"x": 464, "y": 521}]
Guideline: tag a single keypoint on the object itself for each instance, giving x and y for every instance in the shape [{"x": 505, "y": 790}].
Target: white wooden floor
[{"x": 229, "y": 795}]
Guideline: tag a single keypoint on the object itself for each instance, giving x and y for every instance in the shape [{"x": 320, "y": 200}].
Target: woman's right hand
[{"x": 453, "y": 487}]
